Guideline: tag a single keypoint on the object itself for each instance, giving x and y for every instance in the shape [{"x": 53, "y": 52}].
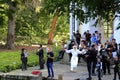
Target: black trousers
[
  {"x": 99, "y": 74},
  {"x": 116, "y": 71},
  {"x": 61, "y": 54},
  {"x": 106, "y": 65},
  {"x": 41, "y": 63},
  {"x": 89, "y": 64},
  {"x": 94, "y": 66},
  {"x": 24, "y": 64},
  {"x": 80, "y": 56},
  {"x": 70, "y": 55}
]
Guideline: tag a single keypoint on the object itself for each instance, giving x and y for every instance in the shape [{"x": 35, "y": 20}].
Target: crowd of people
[
  {"x": 40, "y": 53},
  {"x": 97, "y": 55}
]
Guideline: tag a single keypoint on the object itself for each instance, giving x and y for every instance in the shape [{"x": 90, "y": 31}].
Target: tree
[
  {"x": 57, "y": 8},
  {"x": 12, "y": 4}
]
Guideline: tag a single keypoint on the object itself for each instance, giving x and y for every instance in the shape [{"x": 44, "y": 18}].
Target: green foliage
[
  {"x": 11, "y": 60},
  {"x": 57, "y": 7}
]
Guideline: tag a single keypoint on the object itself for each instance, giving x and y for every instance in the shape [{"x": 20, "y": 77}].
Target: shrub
[{"x": 11, "y": 60}]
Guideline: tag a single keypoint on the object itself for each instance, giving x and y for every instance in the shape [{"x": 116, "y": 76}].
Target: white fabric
[
  {"x": 114, "y": 54},
  {"x": 26, "y": 54},
  {"x": 74, "y": 58}
]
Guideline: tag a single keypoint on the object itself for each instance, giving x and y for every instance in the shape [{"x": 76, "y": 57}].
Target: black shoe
[
  {"x": 41, "y": 68},
  {"x": 104, "y": 73},
  {"x": 109, "y": 73},
  {"x": 48, "y": 76},
  {"x": 94, "y": 74},
  {"x": 89, "y": 78}
]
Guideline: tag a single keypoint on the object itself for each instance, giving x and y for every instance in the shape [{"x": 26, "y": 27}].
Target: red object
[{"x": 36, "y": 72}]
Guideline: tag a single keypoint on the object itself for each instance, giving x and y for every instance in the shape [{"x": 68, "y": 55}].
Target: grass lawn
[{"x": 10, "y": 60}]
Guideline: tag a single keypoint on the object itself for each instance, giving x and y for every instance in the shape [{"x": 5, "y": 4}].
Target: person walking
[
  {"x": 40, "y": 53},
  {"x": 74, "y": 58},
  {"x": 89, "y": 59},
  {"x": 24, "y": 58},
  {"x": 49, "y": 63}
]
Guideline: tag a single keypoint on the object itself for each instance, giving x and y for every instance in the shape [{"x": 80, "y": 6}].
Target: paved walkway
[{"x": 65, "y": 71}]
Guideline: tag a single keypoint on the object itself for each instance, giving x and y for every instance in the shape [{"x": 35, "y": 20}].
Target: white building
[{"x": 104, "y": 28}]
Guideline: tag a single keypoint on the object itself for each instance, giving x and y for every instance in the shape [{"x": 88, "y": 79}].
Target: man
[
  {"x": 109, "y": 52},
  {"x": 88, "y": 38},
  {"x": 98, "y": 37},
  {"x": 49, "y": 63},
  {"x": 89, "y": 59},
  {"x": 41, "y": 57},
  {"x": 24, "y": 58},
  {"x": 70, "y": 46},
  {"x": 114, "y": 48},
  {"x": 94, "y": 53},
  {"x": 77, "y": 37}
]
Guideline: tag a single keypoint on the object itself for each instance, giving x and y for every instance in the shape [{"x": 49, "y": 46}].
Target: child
[
  {"x": 116, "y": 67},
  {"x": 99, "y": 68},
  {"x": 24, "y": 59}
]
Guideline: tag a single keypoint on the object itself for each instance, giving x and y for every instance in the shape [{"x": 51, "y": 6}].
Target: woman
[
  {"x": 74, "y": 58},
  {"x": 24, "y": 59}
]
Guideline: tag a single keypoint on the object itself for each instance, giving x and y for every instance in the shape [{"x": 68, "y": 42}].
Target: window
[{"x": 107, "y": 29}]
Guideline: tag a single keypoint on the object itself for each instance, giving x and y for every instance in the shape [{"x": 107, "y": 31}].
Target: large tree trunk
[
  {"x": 53, "y": 26},
  {"x": 11, "y": 31}
]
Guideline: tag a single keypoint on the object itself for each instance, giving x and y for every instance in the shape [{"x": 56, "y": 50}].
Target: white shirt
[{"x": 74, "y": 52}]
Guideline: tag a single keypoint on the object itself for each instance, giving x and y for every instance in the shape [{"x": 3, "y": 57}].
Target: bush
[{"x": 11, "y": 60}]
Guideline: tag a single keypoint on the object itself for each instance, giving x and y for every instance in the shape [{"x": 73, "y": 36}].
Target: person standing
[
  {"x": 99, "y": 68},
  {"x": 97, "y": 37},
  {"x": 104, "y": 57},
  {"x": 62, "y": 51},
  {"x": 49, "y": 63},
  {"x": 116, "y": 68},
  {"x": 93, "y": 39},
  {"x": 70, "y": 46},
  {"x": 114, "y": 48},
  {"x": 112, "y": 36},
  {"x": 78, "y": 37},
  {"x": 41, "y": 57},
  {"x": 94, "y": 61},
  {"x": 74, "y": 58},
  {"x": 109, "y": 55},
  {"x": 24, "y": 58},
  {"x": 89, "y": 59},
  {"x": 88, "y": 38}
]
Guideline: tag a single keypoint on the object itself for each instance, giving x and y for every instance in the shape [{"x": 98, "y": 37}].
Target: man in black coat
[
  {"x": 89, "y": 59},
  {"x": 41, "y": 57},
  {"x": 94, "y": 62}
]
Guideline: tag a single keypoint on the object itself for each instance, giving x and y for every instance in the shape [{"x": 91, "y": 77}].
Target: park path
[{"x": 63, "y": 69}]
